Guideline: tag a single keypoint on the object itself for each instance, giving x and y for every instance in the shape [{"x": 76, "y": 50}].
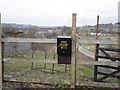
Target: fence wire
[{"x": 36, "y": 62}]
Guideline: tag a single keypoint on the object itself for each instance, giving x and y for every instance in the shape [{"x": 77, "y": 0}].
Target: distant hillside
[{"x": 13, "y": 26}]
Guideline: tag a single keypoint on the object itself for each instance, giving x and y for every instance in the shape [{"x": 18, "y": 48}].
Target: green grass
[
  {"x": 23, "y": 70},
  {"x": 39, "y": 55},
  {"x": 16, "y": 67},
  {"x": 20, "y": 66},
  {"x": 84, "y": 71}
]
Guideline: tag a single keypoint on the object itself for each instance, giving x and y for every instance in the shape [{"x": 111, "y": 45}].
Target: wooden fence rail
[
  {"x": 29, "y": 40},
  {"x": 82, "y": 62},
  {"x": 38, "y": 40}
]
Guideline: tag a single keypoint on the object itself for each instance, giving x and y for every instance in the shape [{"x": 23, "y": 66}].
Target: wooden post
[
  {"x": 31, "y": 65},
  {"x": 53, "y": 68},
  {"x": 96, "y": 50},
  {"x": 96, "y": 59},
  {"x": 45, "y": 55},
  {"x": 65, "y": 68},
  {"x": 54, "y": 56},
  {"x": 97, "y": 27},
  {"x": 73, "y": 60},
  {"x": 33, "y": 51},
  {"x": 44, "y": 66},
  {"x": 33, "y": 54},
  {"x": 1, "y": 72}
]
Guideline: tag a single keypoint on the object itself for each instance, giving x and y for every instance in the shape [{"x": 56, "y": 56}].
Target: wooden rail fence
[
  {"x": 82, "y": 62},
  {"x": 37, "y": 40},
  {"x": 106, "y": 56}
]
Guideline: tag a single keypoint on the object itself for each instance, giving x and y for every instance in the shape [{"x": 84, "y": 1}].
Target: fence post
[
  {"x": 45, "y": 55},
  {"x": 96, "y": 51},
  {"x": 44, "y": 66},
  {"x": 33, "y": 51},
  {"x": 1, "y": 71},
  {"x": 53, "y": 68},
  {"x": 73, "y": 60},
  {"x": 31, "y": 65},
  {"x": 54, "y": 56},
  {"x": 96, "y": 59},
  {"x": 65, "y": 68},
  {"x": 97, "y": 27}
]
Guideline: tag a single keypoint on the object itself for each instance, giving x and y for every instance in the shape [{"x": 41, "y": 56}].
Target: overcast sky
[{"x": 56, "y": 12}]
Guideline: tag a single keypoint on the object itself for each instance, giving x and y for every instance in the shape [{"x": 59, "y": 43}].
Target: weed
[{"x": 62, "y": 85}]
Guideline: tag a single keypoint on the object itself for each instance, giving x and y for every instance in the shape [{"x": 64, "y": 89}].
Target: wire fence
[
  {"x": 37, "y": 62},
  {"x": 41, "y": 67}
]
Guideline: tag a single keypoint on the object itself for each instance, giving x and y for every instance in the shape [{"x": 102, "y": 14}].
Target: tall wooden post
[
  {"x": 73, "y": 61},
  {"x": 96, "y": 51},
  {"x": 97, "y": 27},
  {"x": 1, "y": 75}
]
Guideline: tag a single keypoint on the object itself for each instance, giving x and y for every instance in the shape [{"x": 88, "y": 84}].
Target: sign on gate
[{"x": 64, "y": 44}]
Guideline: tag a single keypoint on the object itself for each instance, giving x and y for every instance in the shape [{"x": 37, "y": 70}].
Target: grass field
[{"x": 45, "y": 73}]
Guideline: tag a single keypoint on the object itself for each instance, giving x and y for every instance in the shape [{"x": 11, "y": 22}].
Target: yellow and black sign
[{"x": 64, "y": 44}]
